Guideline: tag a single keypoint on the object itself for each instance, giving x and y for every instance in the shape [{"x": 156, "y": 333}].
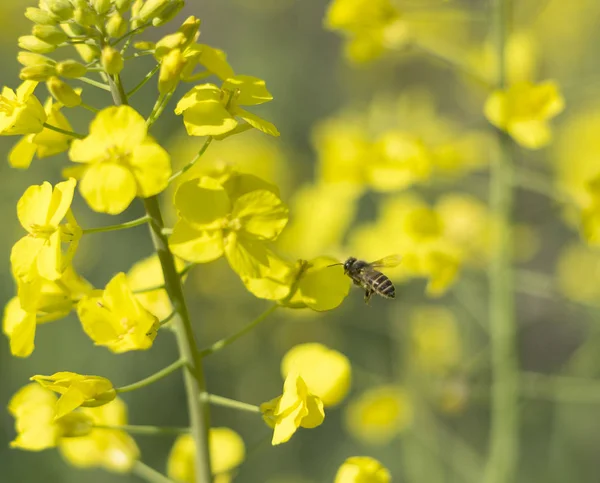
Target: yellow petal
[
  {"x": 257, "y": 122},
  {"x": 316, "y": 414},
  {"x": 119, "y": 126},
  {"x": 33, "y": 206},
  {"x": 108, "y": 188},
  {"x": 151, "y": 167},
  {"x": 19, "y": 326},
  {"x": 22, "y": 153},
  {"x": 227, "y": 450},
  {"x": 198, "y": 246},
  {"x": 250, "y": 90},
  {"x": 209, "y": 194},
  {"x": 262, "y": 213},
  {"x": 245, "y": 256},
  {"x": 49, "y": 259},
  {"x": 208, "y": 118},
  {"x": 62, "y": 196},
  {"x": 23, "y": 257}
]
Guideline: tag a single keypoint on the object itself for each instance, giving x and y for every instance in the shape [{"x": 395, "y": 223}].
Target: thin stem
[
  {"x": 231, "y": 403},
  {"x": 232, "y": 338},
  {"x": 120, "y": 226},
  {"x": 560, "y": 388},
  {"x": 193, "y": 161},
  {"x": 94, "y": 83},
  {"x": 538, "y": 183},
  {"x": 168, "y": 318},
  {"x": 152, "y": 288},
  {"x": 145, "y": 429},
  {"x": 64, "y": 131},
  {"x": 129, "y": 34},
  {"x": 158, "y": 109},
  {"x": 504, "y": 431},
  {"x": 143, "y": 82},
  {"x": 149, "y": 474},
  {"x": 153, "y": 378},
  {"x": 89, "y": 108}
]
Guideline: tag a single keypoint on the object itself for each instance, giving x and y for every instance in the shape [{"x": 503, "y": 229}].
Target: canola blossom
[
  {"x": 359, "y": 469},
  {"x": 20, "y": 111}
]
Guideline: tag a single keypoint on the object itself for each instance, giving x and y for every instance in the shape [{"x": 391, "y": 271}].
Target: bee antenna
[{"x": 334, "y": 265}]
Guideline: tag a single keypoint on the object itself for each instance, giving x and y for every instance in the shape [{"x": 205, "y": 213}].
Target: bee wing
[{"x": 389, "y": 261}]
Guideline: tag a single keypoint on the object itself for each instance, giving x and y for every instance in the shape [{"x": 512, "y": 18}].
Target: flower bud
[
  {"x": 85, "y": 16},
  {"x": 61, "y": 8},
  {"x": 101, "y": 6},
  {"x": 116, "y": 25},
  {"x": 123, "y": 5},
  {"x": 100, "y": 399},
  {"x": 189, "y": 29},
  {"x": 135, "y": 12},
  {"x": 33, "y": 44},
  {"x": 38, "y": 73},
  {"x": 30, "y": 58},
  {"x": 151, "y": 9},
  {"x": 75, "y": 424},
  {"x": 40, "y": 17},
  {"x": 63, "y": 92},
  {"x": 168, "y": 13},
  {"x": 50, "y": 34},
  {"x": 170, "y": 70},
  {"x": 144, "y": 45},
  {"x": 112, "y": 60},
  {"x": 71, "y": 68},
  {"x": 168, "y": 43}
]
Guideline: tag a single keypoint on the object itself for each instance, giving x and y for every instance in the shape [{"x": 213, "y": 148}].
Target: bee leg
[{"x": 368, "y": 294}]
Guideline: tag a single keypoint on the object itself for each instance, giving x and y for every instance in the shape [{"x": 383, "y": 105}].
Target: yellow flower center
[
  {"x": 7, "y": 106},
  {"x": 230, "y": 224},
  {"x": 116, "y": 154},
  {"x": 41, "y": 231}
]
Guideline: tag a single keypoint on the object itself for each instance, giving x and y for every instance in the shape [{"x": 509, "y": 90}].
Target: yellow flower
[
  {"x": 238, "y": 217},
  {"x": 577, "y": 272},
  {"x": 41, "y": 210},
  {"x": 436, "y": 345},
  {"x": 77, "y": 390},
  {"x": 326, "y": 372},
  {"x": 379, "y": 414},
  {"x": 296, "y": 407},
  {"x": 523, "y": 111},
  {"x": 120, "y": 161},
  {"x": 111, "y": 449},
  {"x": 115, "y": 319},
  {"x": 211, "y": 111},
  {"x": 33, "y": 408},
  {"x": 227, "y": 452},
  {"x": 44, "y": 143},
  {"x": 39, "y": 302},
  {"x": 20, "y": 111},
  {"x": 362, "y": 469}
]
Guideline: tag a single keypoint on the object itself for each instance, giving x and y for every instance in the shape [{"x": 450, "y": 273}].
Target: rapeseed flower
[
  {"x": 119, "y": 161},
  {"x": 114, "y": 318},
  {"x": 362, "y": 469},
  {"x": 21, "y": 113},
  {"x": 295, "y": 408}
]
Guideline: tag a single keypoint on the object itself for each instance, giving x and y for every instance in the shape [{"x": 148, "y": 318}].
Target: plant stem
[
  {"x": 232, "y": 338},
  {"x": 193, "y": 161},
  {"x": 158, "y": 108},
  {"x": 94, "y": 83},
  {"x": 149, "y": 474},
  {"x": 504, "y": 431},
  {"x": 143, "y": 82},
  {"x": 120, "y": 226},
  {"x": 153, "y": 378},
  {"x": 145, "y": 429},
  {"x": 231, "y": 403},
  {"x": 152, "y": 288},
  {"x": 64, "y": 131}
]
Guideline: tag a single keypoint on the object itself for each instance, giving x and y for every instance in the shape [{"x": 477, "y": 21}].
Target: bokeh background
[{"x": 420, "y": 394}]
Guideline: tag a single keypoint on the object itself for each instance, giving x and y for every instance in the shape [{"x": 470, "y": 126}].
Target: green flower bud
[
  {"x": 75, "y": 424},
  {"x": 40, "y": 17},
  {"x": 170, "y": 71},
  {"x": 116, "y": 25},
  {"x": 101, "y": 6},
  {"x": 61, "y": 8},
  {"x": 168, "y": 13},
  {"x": 38, "y": 73},
  {"x": 112, "y": 60},
  {"x": 63, "y": 92},
  {"x": 71, "y": 68},
  {"x": 151, "y": 9},
  {"x": 30, "y": 58},
  {"x": 135, "y": 12},
  {"x": 189, "y": 29},
  {"x": 33, "y": 44},
  {"x": 144, "y": 45},
  {"x": 50, "y": 34},
  {"x": 123, "y": 5},
  {"x": 168, "y": 43},
  {"x": 85, "y": 16}
]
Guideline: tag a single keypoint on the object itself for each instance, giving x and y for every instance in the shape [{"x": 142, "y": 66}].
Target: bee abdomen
[{"x": 381, "y": 285}]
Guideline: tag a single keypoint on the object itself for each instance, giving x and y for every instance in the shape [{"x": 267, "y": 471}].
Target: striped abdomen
[{"x": 379, "y": 283}]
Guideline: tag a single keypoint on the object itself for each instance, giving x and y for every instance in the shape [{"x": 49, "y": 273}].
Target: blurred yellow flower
[
  {"x": 114, "y": 318},
  {"x": 77, "y": 390},
  {"x": 523, "y": 111},
  {"x": 578, "y": 273},
  {"x": 41, "y": 210},
  {"x": 119, "y": 161},
  {"x": 379, "y": 414},
  {"x": 240, "y": 216},
  {"x": 435, "y": 340},
  {"x": 20, "y": 112},
  {"x": 34, "y": 410},
  {"x": 227, "y": 452},
  {"x": 362, "y": 469},
  {"x": 111, "y": 449},
  {"x": 326, "y": 372},
  {"x": 295, "y": 408}
]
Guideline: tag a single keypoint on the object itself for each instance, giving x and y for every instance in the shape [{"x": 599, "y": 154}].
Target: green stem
[
  {"x": 193, "y": 161},
  {"x": 145, "y": 429},
  {"x": 143, "y": 82},
  {"x": 89, "y": 108},
  {"x": 193, "y": 378},
  {"x": 231, "y": 403},
  {"x": 152, "y": 288},
  {"x": 64, "y": 131},
  {"x": 120, "y": 226},
  {"x": 504, "y": 431},
  {"x": 536, "y": 182},
  {"x": 168, "y": 318},
  {"x": 232, "y": 338},
  {"x": 566, "y": 389},
  {"x": 158, "y": 108},
  {"x": 153, "y": 378},
  {"x": 129, "y": 34},
  {"x": 94, "y": 83},
  {"x": 149, "y": 474}
]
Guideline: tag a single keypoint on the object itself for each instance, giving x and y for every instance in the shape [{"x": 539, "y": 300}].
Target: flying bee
[{"x": 365, "y": 275}]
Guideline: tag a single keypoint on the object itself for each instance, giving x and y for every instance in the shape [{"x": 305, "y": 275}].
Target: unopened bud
[
  {"x": 189, "y": 29},
  {"x": 112, "y": 60},
  {"x": 144, "y": 45},
  {"x": 123, "y": 5},
  {"x": 63, "y": 92},
  {"x": 85, "y": 16},
  {"x": 101, "y": 6},
  {"x": 170, "y": 71},
  {"x": 33, "y": 44},
  {"x": 37, "y": 73},
  {"x": 116, "y": 25},
  {"x": 61, "y": 8},
  {"x": 151, "y": 9},
  {"x": 71, "y": 68},
  {"x": 50, "y": 33},
  {"x": 168, "y": 43},
  {"x": 40, "y": 17},
  {"x": 30, "y": 58},
  {"x": 136, "y": 6},
  {"x": 168, "y": 13}
]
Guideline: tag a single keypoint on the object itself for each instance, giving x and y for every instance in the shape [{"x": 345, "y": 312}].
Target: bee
[{"x": 365, "y": 275}]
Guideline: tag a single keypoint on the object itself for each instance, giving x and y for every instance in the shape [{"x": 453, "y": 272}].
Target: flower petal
[
  {"x": 62, "y": 197},
  {"x": 198, "y": 246},
  {"x": 19, "y": 326},
  {"x": 22, "y": 153},
  {"x": 49, "y": 260},
  {"x": 32, "y": 207},
  {"x": 108, "y": 188},
  {"x": 208, "y": 118},
  {"x": 257, "y": 122},
  {"x": 262, "y": 213},
  {"x": 151, "y": 167},
  {"x": 245, "y": 256},
  {"x": 208, "y": 194}
]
